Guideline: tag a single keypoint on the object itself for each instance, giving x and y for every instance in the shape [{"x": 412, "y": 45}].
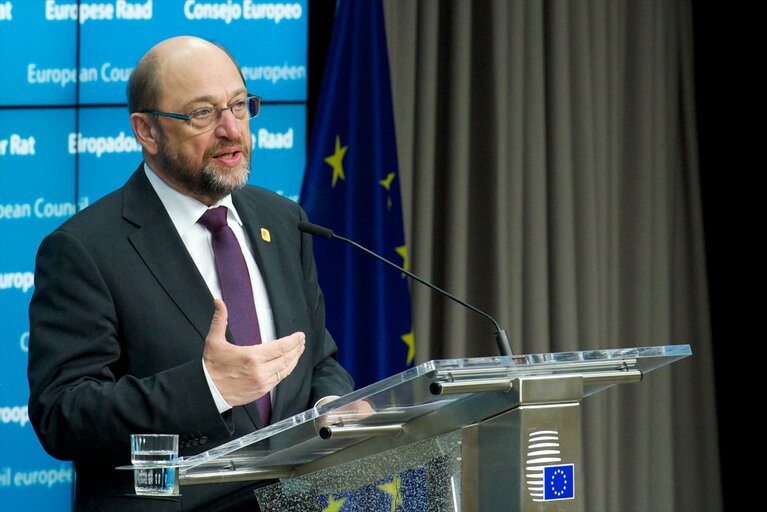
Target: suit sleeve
[{"x": 80, "y": 405}]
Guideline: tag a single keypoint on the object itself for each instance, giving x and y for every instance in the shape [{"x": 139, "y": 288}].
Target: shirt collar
[{"x": 185, "y": 211}]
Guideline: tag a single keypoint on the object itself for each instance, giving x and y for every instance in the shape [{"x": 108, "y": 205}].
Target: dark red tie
[{"x": 236, "y": 288}]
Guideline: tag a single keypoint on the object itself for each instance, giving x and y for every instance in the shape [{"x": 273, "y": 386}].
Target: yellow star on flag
[
  {"x": 334, "y": 505},
  {"x": 336, "y": 161},
  {"x": 393, "y": 490},
  {"x": 409, "y": 340},
  {"x": 386, "y": 183},
  {"x": 402, "y": 251}
]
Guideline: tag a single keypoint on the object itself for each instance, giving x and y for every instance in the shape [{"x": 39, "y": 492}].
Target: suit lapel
[
  {"x": 268, "y": 260},
  {"x": 267, "y": 256},
  {"x": 162, "y": 250}
]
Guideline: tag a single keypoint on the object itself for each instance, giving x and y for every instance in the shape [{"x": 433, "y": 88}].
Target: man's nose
[{"x": 228, "y": 125}]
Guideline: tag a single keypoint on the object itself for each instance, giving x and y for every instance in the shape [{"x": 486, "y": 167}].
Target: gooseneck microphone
[{"x": 501, "y": 338}]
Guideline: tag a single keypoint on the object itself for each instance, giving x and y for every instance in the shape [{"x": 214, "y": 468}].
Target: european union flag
[
  {"x": 352, "y": 186},
  {"x": 559, "y": 482},
  {"x": 405, "y": 491}
]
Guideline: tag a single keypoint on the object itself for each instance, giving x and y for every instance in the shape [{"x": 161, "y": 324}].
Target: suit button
[{"x": 203, "y": 439}]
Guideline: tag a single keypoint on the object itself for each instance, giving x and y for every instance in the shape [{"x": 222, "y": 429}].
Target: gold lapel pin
[{"x": 266, "y": 235}]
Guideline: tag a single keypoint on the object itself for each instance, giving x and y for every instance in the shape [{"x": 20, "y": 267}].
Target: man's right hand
[{"x": 243, "y": 374}]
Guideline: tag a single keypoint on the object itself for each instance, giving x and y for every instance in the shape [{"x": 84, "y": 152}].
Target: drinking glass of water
[{"x": 148, "y": 453}]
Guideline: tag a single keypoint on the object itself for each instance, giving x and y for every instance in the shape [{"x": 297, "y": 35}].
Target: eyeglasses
[{"x": 206, "y": 117}]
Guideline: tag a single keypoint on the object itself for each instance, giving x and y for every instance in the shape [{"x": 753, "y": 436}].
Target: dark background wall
[
  {"x": 726, "y": 113},
  {"x": 727, "y": 131}
]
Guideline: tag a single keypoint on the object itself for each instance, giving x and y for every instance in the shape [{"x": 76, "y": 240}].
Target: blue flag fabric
[
  {"x": 352, "y": 186},
  {"x": 405, "y": 491}
]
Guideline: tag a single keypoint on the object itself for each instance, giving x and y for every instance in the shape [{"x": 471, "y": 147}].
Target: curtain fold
[{"x": 550, "y": 177}]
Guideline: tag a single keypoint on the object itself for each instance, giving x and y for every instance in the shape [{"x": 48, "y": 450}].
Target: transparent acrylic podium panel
[
  {"x": 421, "y": 476},
  {"x": 420, "y": 405},
  {"x": 452, "y": 431}
]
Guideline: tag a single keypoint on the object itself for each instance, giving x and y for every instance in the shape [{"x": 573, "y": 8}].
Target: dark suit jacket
[{"x": 117, "y": 327}]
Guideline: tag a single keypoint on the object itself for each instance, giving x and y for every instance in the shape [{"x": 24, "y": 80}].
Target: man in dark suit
[{"x": 125, "y": 334}]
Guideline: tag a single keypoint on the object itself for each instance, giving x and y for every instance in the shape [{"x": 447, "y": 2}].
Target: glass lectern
[{"x": 496, "y": 433}]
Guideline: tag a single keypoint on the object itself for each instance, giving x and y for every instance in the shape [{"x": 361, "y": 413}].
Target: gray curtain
[{"x": 549, "y": 167}]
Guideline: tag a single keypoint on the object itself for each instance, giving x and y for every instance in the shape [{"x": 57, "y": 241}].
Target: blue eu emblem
[{"x": 559, "y": 482}]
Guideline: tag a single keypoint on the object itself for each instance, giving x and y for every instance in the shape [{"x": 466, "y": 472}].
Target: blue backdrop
[{"x": 65, "y": 141}]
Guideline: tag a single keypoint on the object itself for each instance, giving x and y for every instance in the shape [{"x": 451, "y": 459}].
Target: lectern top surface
[{"x": 411, "y": 394}]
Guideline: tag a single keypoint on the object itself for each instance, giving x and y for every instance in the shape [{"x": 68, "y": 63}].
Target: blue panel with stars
[
  {"x": 405, "y": 491},
  {"x": 559, "y": 482}
]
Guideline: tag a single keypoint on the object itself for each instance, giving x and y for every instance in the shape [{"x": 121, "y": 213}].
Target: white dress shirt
[{"x": 185, "y": 211}]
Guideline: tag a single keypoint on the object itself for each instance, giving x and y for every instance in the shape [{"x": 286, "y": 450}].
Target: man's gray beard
[
  {"x": 207, "y": 182},
  {"x": 212, "y": 184}
]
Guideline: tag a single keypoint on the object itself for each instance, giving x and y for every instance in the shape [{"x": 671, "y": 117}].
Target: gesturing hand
[{"x": 243, "y": 374}]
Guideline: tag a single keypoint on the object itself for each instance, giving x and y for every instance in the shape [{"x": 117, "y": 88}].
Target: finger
[
  {"x": 218, "y": 323},
  {"x": 282, "y": 347},
  {"x": 290, "y": 361},
  {"x": 279, "y": 367}
]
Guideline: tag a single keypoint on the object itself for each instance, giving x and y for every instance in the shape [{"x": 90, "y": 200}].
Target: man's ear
[{"x": 145, "y": 131}]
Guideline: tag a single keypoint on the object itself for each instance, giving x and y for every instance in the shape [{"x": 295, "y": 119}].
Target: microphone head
[{"x": 314, "y": 229}]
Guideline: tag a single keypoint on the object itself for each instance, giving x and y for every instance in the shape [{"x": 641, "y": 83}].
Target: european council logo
[
  {"x": 559, "y": 482},
  {"x": 547, "y": 478}
]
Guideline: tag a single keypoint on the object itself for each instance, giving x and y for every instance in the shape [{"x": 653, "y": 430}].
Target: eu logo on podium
[{"x": 559, "y": 482}]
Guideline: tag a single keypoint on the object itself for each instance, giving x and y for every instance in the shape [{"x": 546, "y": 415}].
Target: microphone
[{"x": 501, "y": 338}]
